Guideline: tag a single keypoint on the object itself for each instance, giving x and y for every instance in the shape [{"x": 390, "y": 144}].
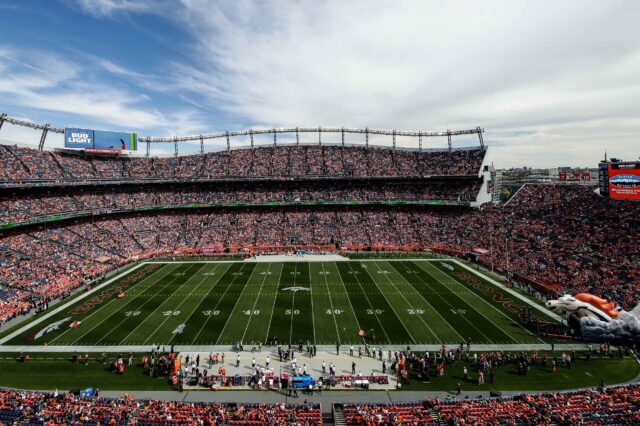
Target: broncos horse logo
[
  {"x": 295, "y": 289},
  {"x": 584, "y": 305}
]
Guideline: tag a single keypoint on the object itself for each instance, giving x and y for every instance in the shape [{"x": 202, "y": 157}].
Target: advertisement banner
[
  {"x": 100, "y": 140},
  {"x": 78, "y": 138},
  {"x": 114, "y": 140},
  {"x": 562, "y": 176},
  {"x": 624, "y": 181}
]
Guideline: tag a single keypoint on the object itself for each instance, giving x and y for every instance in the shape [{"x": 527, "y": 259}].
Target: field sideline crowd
[{"x": 603, "y": 406}]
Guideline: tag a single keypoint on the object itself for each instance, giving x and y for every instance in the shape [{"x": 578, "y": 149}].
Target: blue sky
[{"x": 552, "y": 83}]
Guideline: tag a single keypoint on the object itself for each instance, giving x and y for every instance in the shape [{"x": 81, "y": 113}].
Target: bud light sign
[
  {"x": 99, "y": 140},
  {"x": 78, "y": 138}
]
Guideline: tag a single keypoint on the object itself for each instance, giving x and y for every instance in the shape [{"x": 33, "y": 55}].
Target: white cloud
[
  {"x": 108, "y": 7},
  {"x": 551, "y": 82},
  {"x": 559, "y": 72},
  {"x": 36, "y": 80}
]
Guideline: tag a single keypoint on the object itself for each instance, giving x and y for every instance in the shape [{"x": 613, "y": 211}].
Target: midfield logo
[{"x": 295, "y": 289}]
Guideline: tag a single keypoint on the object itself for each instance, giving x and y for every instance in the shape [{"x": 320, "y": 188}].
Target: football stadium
[{"x": 298, "y": 275}]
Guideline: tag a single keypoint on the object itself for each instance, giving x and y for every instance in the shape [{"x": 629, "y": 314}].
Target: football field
[{"x": 218, "y": 303}]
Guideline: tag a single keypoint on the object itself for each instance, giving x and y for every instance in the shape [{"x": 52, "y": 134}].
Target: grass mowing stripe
[
  {"x": 241, "y": 298},
  {"x": 171, "y": 322},
  {"x": 293, "y": 304},
  {"x": 341, "y": 298},
  {"x": 136, "y": 288},
  {"x": 255, "y": 302},
  {"x": 258, "y": 331},
  {"x": 465, "y": 312},
  {"x": 492, "y": 327},
  {"x": 212, "y": 326},
  {"x": 322, "y": 306},
  {"x": 146, "y": 324},
  {"x": 302, "y": 318},
  {"x": 367, "y": 317},
  {"x": 413, "y": 310},
  {"x": 219, "y": 271},
  {"x": 194, "y": 323},
  {"x": 130, "y": 319},
  {"x": 280, "y": 325},
  {"x": 455, "y": 314},
  {"x": 446, "y": 332},
  {"x": 313, "y": 321},
  {"x": 374, "y": 287},
  {"x": 493, "y": 313},
  {"x": 107, "y": 317}
]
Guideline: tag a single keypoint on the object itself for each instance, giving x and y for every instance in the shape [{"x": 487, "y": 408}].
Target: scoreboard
[{"x": 620, "y": 180}]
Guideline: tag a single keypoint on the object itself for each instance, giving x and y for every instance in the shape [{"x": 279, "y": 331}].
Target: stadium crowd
[
  {"x": 29, "y": 408},
  {"x": 24, "y": 206},
  {"x": 562, "y": 236},
  {"x": 604, "y": 406},
  {"x": 24, "y": 164}
]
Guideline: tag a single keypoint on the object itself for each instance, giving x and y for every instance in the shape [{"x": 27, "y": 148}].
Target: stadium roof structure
[{"x": 275, "y": 131}]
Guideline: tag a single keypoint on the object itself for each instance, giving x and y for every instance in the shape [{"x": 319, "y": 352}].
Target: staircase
[{"x": 338, "y": 416}]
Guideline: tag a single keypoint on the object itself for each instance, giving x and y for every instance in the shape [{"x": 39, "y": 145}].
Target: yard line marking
[
  {"x": 390, "y": 305},
  {"x": 293, "y": 301},
  {"x": 346, "y": 293},
  {"x": 205, "y": 295},
  {"x": 246, "y": 284},
  {"x": 255, "y": 302},
  {"x": 451, "y": 306},
  {"x": 406, "y": 300},
  {"x": 114, "y": 299},
  {"x": 369, "y": 302},
  {"x": 313, "y": 322},
  {"x": 432, "y": 307},
  {"x": 204, "y": 323},
  {"x": 460, "y": 283},
  {"x": 273, "y": 307},
  {"x": 175, "y": 308},
  {"x": 335, "y": 321},
  {"x": 125, "y": 318}
]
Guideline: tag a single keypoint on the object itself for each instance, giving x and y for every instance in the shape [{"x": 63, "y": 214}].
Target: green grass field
[
  {"x": 218, "y": 303},
  {"x": 48, "y": 371}
]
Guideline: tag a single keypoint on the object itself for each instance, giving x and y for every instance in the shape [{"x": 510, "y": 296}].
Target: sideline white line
[
  {"x": 510, "y": 291},
  {"x": 464, "y": 317},
  {"x": 70, "y": 303},
  {"x": 466, "y": 288}
]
